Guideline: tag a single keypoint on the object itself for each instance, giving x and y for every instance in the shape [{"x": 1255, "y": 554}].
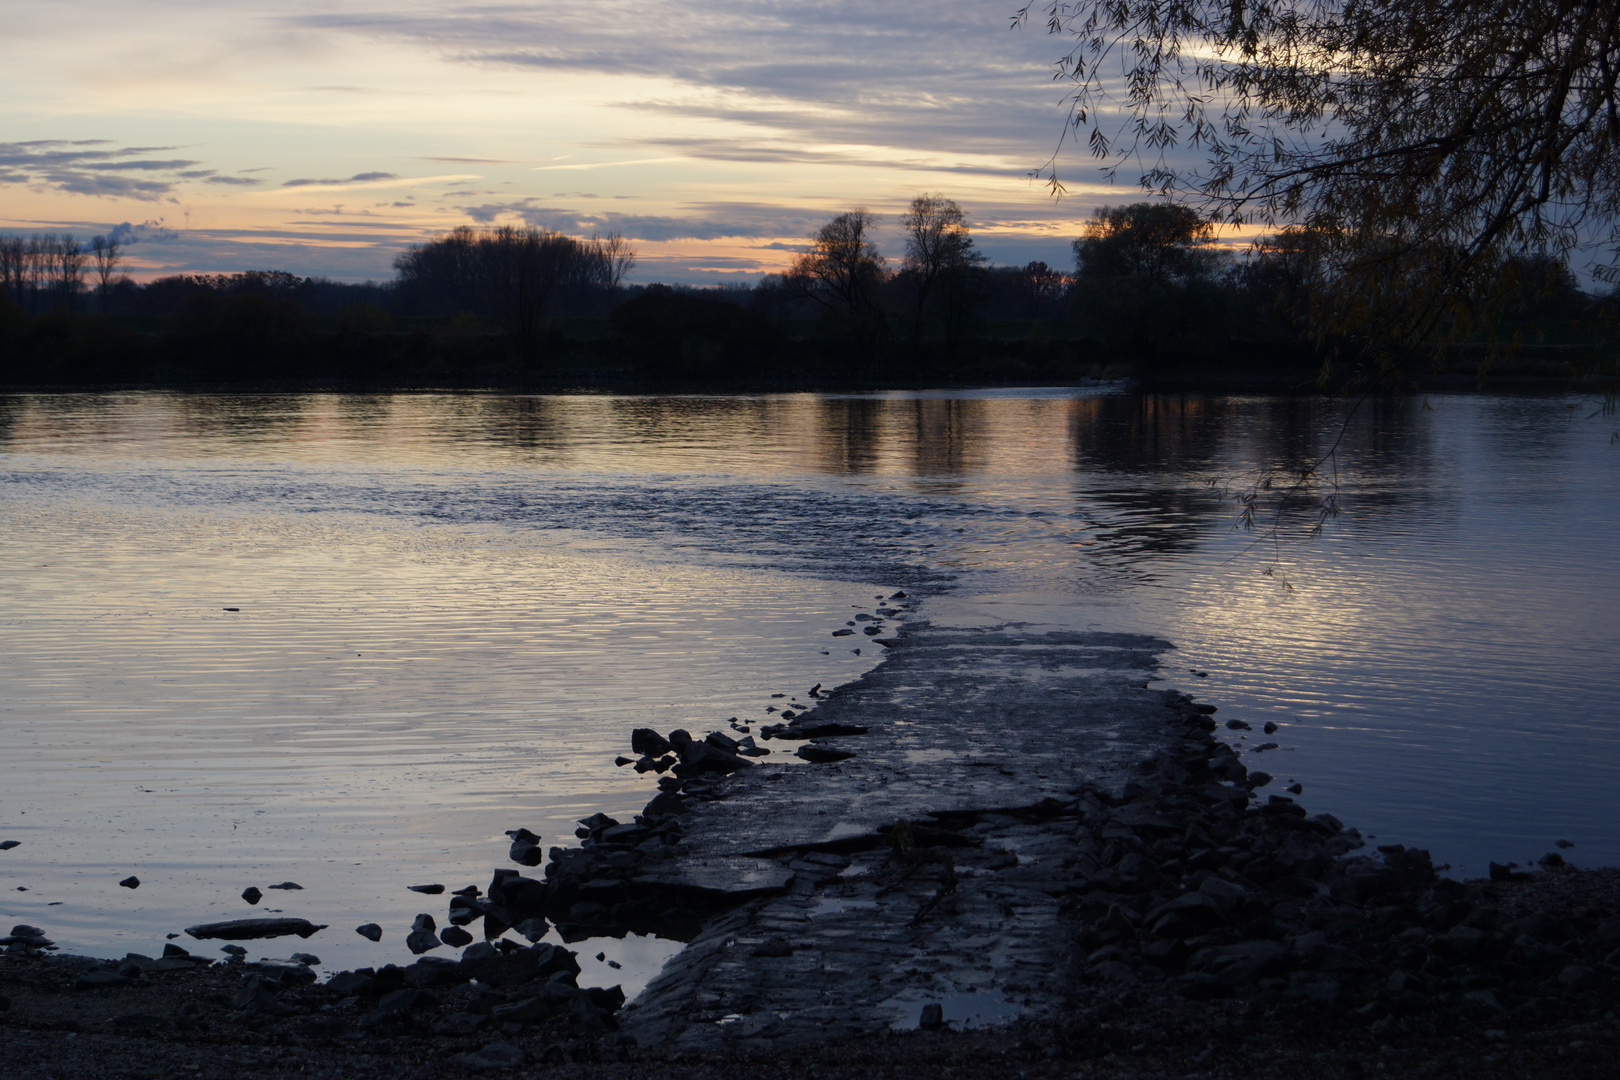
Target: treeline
[{"x": 1150, "y": 294}]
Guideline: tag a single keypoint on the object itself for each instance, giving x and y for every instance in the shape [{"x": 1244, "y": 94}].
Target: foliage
[
  {"x": 1420, "y": 143},
  {"x": 1157, "y": 241},
  {"x": 508, "y": 274}
]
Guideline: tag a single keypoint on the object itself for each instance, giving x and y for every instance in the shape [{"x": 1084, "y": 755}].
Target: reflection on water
[{"x": 455, "y": 607}]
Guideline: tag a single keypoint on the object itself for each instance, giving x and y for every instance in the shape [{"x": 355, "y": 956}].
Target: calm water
[{"x": 453, "y": 609}]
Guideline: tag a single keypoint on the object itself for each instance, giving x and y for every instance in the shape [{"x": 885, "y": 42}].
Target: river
[{"x": 347, "y": 641}]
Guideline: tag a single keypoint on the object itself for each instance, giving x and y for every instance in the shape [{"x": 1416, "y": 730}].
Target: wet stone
[{"x": 369, "y": 930}]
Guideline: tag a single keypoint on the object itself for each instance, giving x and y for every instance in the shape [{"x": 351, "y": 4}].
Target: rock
[
  {"x": 533, "y": 929},
  {"x": 458, "y": 1025},
  {"x": 821, "y": 755},
  {"x": 489, "y": 964},
  {"x": 843, "y": 632},
  {"x": 932, "y": 1017},
  {"x": 1296, "y": 789},
  {"x": 774, "y": 946},
  {"x": 1552, "y": 858},
  {"x": 1258, "y": 779},
  {"x": 369, "y": 930},
  {"x": 1576, "y": 975},
  {"x": 526, "y": 849},
  {"x": 1556, "y": 843},
  {"x": 424, "y": 922},
  {"x": 455, "y": 937},
  {"x": 699, "y": 759},
  {"x": 101, "y": 978},
  {"x": 351, "y": 984},
  {"x": 171, "y": 949},
  {"x": 621, "y": 761},
  {"x": 289, "y": 886},
  {"x": 131, "y": 882},
  {"x": 495, "y": 1056},
  {"x": 1238, "y": 725},
  {"x": 235, "y": 952},
  {"x": 249, "y": 929},
  {"x": 24, "y": 931},
  {"x": 307, "y": 959},
  {"x": 426, "y": 890},
  {"x": 649, "y": 743},
  {"x": 1265, "y": 746},
  {"x": 1270, "y": 728},
  {"x": 7, "y": 845},
  {"x": 256, "y": 999},
  {"x": 281, "y": 972},
  {"x": 252, "y": 895},
  {"x": 421, "y": 941},
  {"x": 433, "y": 971}
]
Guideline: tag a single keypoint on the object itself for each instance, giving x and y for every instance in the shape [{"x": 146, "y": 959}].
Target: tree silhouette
[{"x": 1421, "y": 142}]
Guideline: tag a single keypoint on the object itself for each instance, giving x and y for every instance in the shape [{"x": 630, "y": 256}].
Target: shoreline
[{"x": 1112, "y": 883}]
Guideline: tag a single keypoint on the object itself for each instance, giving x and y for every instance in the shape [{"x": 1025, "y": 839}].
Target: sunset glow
[{"x": 321, "y": 138}]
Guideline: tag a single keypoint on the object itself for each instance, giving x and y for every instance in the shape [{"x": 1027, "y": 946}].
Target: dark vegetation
[{"x": 1150, "y": 296}]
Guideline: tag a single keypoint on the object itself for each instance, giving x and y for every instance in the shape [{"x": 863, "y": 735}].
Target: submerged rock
[{"x": 369, "y": 930}]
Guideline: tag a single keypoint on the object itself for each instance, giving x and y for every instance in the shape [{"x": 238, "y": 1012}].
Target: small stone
[
  {"x": 233, "y": 950},
  {"x": 455, "y": 937},
  {"x": 7, "y": 845},
  {"x": 1270, "y": 728},
  {"x": 932, "y": 1017},
  {"x": 621, "y": 761},
  {"x": 1552, "y": 858},
  {"x": 307, "y": 959},
  {"x": 131, "y": 882},
  {"x": 846, "y": 632},
  {"x": 1259, "y": 779},
  {"x": 421, "y": 941},
  {"x": 424, "y": 921},
  {"x": 1296, "y": 789},
  {"x": 369, "y": 930},
  {"x": 1562, "y": 844},
  {"x": 1238, "y": 725},
  {"x": 821, "y": 755},
  {"x": 289, "y": 886},
  {"x": 429, "y": 890},
  {"x": 252, "y": 895}
]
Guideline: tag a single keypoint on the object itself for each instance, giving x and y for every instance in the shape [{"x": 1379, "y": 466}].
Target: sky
[{"x": 322, "y": 138}]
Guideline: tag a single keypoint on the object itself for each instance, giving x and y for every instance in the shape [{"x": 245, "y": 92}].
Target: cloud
[
  {"x": 150, "y": 232},
  {"x": 89, "y": 167},
  {"x": 357, "y": 178},
  {"x": 237, "y": 181},
  {"x": 707, "y": 221},
  {"x": 914, "y": 75}
]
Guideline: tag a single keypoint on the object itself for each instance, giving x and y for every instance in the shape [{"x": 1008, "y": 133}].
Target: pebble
[
  {"x": 289, "y": 886},
  {"x": 429, "y": 890},
  {"x": 131, "y": 882},
  {"x": 252, "y": 895},
  {"x": 369, "y": 930},
  {"x": 7, "y": 845}
]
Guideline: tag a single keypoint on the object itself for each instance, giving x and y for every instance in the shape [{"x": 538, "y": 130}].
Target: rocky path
[{"x": 974, "y": 739}]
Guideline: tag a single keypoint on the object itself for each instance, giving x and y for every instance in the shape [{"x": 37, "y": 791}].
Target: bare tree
[
  {"x": 614, "y": 258},
  {"x": 70, "y": 258},
  {"x": 841, "y": 272},
  {"x": 13, "y": 263},
  {"x": 106, "y": 252},
  {"x": 939, "y": 247}
]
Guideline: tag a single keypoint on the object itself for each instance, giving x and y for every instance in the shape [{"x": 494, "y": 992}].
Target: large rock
[{"x": 250, "y": 929}]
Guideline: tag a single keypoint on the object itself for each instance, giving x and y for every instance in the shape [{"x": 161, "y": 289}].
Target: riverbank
[{"x": 1021, "y": 831}]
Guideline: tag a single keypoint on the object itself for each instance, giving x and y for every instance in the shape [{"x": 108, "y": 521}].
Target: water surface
[{"x": 453, "y": 609}]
